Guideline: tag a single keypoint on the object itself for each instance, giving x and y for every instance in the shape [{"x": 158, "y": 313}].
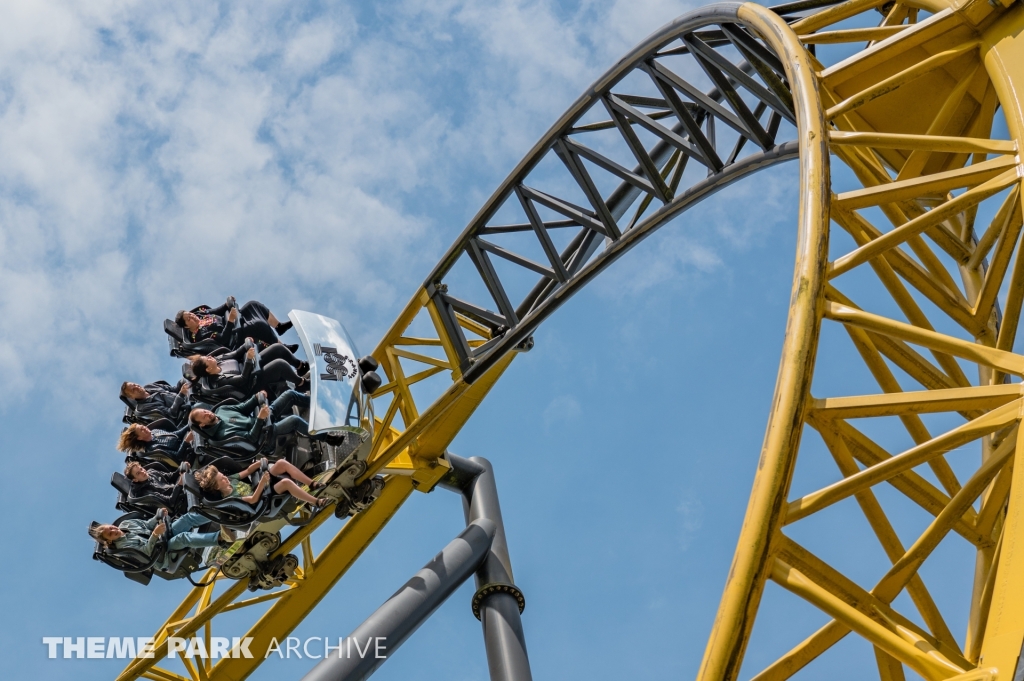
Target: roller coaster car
[
  {"x": 139, "y": 567},
  {"x": 299, "y": 450}
]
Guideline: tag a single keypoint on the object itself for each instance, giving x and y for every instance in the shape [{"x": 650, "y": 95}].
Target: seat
[
  {"x": 209, "y": 393},
  {"x": 163, "y": 423},
  {"x": 236, "y": 447},
  {"x": 153, "y": 459},
  {"x": 122, "y": 484}
]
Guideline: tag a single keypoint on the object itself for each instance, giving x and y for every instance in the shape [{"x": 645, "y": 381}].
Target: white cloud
[
  {"x": 691, "y": 519},
  {"x": 159, "y": 156},
  {"x": 561, "y": 409}
]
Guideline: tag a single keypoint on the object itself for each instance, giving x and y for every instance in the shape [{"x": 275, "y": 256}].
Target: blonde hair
[
  {"x": 129, "y": 440},
  {"x": 207, "y": 478},
  {"x": 96, "y": 532}
]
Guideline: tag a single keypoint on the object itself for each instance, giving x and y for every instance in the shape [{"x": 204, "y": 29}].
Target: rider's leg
[
  {"x": 282, "y": 468},
  {"x": 289, "y": 486}
]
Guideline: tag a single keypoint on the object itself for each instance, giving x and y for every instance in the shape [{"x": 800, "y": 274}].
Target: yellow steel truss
[{"x": 909, "y": 115}]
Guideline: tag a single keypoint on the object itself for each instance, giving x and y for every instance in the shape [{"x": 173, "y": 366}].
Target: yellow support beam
[
  {"x": 925, "y": 402},
  {"x": 924, "y": 659}
]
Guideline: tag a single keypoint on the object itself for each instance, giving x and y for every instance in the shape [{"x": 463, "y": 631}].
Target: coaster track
[{"x": 906, "y": 97}]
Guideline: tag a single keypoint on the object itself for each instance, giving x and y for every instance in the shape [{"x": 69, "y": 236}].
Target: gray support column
[
  {"x": 404, "y": 612},
  {"x": 497, "y": 598}
]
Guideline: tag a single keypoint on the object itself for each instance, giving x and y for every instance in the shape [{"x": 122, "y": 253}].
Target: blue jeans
[
  {"x": 181, "y": 535},
  {"x": 290, "y": 423},
  {"x": 284, "y": 402}
]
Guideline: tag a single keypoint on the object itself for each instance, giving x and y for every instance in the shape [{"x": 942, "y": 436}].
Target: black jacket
[
  {"x": 236, "y": 377},
  {"x": 164, "y": 400},
  {"x": 170, "y": 444},
  {"x": 220, "y": 330},
  {"x": 160, "y": 485}
]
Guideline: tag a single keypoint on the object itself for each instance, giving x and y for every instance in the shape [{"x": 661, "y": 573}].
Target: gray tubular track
[{"x": 402, "y": 614}]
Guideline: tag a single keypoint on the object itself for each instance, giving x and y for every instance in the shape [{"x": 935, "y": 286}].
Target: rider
[
  {"x": 143, "y": 535},
  {"x": 159, "y": 397},
  {"x": 140, "y": 439},
  {"x": 212, "y": 480},
  {"x": 239, "y": 420},
  {"x": 152, "y": 482},
  {"x": 277, "y": 365},
  {"x": 218, "y": 324}
]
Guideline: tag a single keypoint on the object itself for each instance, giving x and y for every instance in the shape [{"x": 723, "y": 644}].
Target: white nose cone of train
[{"x": 336, "y": 402}]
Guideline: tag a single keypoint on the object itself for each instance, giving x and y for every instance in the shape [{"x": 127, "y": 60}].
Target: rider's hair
[
  {"x": 207, "y": 478},
  {"x": 95, "y": 531},
  {"x": 130, "y": 469},
  {"x": 179, "y": 318},
  {"x": 198, "y": 365},
  {"x": 129, "y": 440}
]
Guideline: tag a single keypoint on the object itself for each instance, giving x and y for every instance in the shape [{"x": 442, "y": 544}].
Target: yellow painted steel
[{"x": 910, "y": 115}]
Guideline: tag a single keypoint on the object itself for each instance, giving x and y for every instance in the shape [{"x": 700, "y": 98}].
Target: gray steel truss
[{"x": 698, "y": 105}]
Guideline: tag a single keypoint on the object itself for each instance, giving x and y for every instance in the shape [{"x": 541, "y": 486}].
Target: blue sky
[{"x": 322, "y": 155}]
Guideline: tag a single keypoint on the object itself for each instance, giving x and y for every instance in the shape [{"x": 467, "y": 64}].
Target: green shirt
[
  {"x": 239, "y": 488},
  {"x": 237, "y": 420}
]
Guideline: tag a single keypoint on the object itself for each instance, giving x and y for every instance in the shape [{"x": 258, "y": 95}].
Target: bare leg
[
  {"x": 273, "y": 320},
  {"x": 289, "y": 486},
  {"x": 282, "y": 468}
]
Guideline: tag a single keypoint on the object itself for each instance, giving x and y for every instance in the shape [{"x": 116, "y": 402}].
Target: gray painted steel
[
  {"x": 742, "y": 111},
  {"x": 499, "y": 612},
  {"x": 410, "y": 606}
]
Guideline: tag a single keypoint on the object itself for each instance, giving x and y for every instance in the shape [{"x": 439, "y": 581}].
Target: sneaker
[
  {"x": 282, "y": 327},
  {"x": 226, "y": 538}
]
